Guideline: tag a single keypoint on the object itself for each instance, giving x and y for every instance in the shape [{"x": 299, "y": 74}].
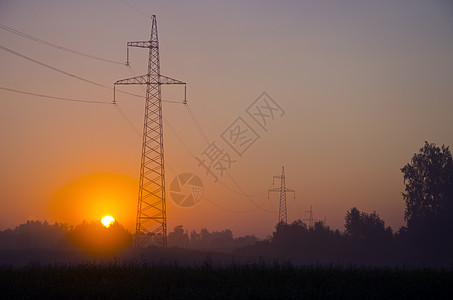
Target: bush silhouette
[{"x": 94, "y": 238}]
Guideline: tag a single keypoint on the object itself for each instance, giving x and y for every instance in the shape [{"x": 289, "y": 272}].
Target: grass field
[{"x": 256, "y": 281}]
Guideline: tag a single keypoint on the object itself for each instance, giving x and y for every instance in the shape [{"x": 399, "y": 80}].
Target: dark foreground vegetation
[{"x": 206, "y": 281}]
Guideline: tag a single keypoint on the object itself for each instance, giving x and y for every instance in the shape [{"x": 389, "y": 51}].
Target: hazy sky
[{"x": 363, "y": 84}]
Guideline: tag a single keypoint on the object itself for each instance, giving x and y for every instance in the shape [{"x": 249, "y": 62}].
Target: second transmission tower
[
  {"x": 282, "y": 213},
  {"x": 151, "y": 225}
]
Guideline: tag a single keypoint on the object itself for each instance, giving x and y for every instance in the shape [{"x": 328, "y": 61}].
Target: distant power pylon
[
  {"x": 311, "y": 220},
  {"x": 151, "y": 225},
  {"x": 282, "y": 214}
]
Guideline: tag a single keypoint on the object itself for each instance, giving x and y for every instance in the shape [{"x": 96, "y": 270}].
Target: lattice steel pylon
[
  {"x": 151, "y": 224},
  {"x": 282, "y": 213}
]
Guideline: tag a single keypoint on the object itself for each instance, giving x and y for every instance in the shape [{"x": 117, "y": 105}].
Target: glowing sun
[{"x": 107, "y": 221}]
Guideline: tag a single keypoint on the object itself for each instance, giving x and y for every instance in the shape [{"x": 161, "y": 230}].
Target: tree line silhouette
[
  {"x": 205, "y": 240},
  {"x": 94, "y": 237},
  {"x": 425, "y": 239}
]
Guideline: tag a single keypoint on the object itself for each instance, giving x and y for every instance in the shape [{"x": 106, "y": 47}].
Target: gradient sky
[{"x": 363, "y": 85}]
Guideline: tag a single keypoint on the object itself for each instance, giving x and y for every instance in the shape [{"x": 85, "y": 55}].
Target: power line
[
  {"x": 64, "y": 72},
  {"x": 128, "y": 120},
  {"x": 38, "y": 40},
  {"x": 189, "y": 110},
  {"x": 71, "y": 51},
  {"x": 168, "y": 125},
  {"x": 242, "y": 193},
  {"x": 197, "y": 124},
  {"x": 54, "y": 97},
  {"x": 203, "y": 134},
  {"x": 136, "y": 9},
  {"x": 151, "y": 225},
  {"x": 232, "y": 210},
  {"x": 245, "y": 195},
  {"x": 144, "y": 89},
  {"x": 53, "y": 68},
  {"x": 185, "y": 76},
  {"x": 191, "y": 113},
  {"x": 239, "y": 193},
  {"x": 76, "y": 100}
]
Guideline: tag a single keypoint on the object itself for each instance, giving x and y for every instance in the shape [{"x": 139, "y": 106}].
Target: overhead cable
[
  {"x": 64, "y": 72},
  {"x": 38, "y": 40},
  {"x": 54, "y": 97}
]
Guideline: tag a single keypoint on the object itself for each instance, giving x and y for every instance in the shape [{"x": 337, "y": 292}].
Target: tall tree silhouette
[
  {"x": 361, "y": 225},
  {"x": 429, "y": 204},
  {"x": 429, "y": 184}
]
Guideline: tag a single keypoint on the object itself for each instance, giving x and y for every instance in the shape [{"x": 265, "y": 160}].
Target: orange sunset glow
[
  {"x": 290, "y": 149},
  {"x": 94, "y": 197},
  {"x": 359, "y": 87}
]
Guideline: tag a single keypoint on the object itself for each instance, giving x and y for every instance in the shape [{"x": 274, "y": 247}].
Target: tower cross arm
[
  {"x": 142, "y": 44},
  {"x": 273, "y": 190},
  {"x": 143, "y": 79},
  {"x": 276, "y": 177},
  {"x": 291, "y": 191},
  {"x": 169, "y": 80}
]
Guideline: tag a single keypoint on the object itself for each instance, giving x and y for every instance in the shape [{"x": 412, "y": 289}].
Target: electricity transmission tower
[
  {"x": 311, "y": 220},
  {"x": 151, "y": 224},
  {"x": 282, "y": 214}
]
